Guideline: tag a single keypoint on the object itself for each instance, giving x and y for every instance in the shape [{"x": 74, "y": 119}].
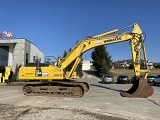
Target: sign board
[{"x": 7, "y": 35}]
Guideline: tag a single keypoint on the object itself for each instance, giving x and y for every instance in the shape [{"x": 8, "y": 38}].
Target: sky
[{"x": 56, "y": 25}]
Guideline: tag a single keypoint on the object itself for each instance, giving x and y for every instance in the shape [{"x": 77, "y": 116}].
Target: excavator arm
[{"x": 135, "y": 38}]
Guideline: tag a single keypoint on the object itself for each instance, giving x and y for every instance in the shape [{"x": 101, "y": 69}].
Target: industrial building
[{"x": 16, "y": 52}]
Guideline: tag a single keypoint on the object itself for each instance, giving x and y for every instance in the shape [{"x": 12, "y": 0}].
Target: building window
[
  {"x": 26, "y": 58},
  {"x": 4, "y": 51}
]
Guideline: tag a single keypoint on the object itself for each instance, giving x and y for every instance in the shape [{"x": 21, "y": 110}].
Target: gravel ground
[
  {"x": 10, "y": 112},
  {"x": 101, "y": 102}
]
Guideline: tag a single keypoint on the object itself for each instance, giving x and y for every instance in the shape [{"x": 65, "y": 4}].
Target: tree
[
  {"x": 64, "y": 54},
  {"x": 101, "y": 59}
]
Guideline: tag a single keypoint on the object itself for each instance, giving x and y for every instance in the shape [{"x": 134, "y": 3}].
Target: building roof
[{"x": 13, "y": 41}]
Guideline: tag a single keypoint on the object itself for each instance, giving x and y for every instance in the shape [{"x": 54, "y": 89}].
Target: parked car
[
  {"x": 156, "y": 80},
  {"x": 108, "y": 79},
  {"x": 123, "y": 79},
  {"x": 150, "y": 79}
]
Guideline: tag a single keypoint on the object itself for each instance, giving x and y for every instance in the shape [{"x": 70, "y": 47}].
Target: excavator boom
[{"x": 61, "y": 83}]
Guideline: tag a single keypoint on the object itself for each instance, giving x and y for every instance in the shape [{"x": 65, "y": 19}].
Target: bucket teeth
[{"x": 139, "y": 89}]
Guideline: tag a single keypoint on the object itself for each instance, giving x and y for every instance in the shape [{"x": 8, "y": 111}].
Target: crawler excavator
[{"x": 57, "y": 81}]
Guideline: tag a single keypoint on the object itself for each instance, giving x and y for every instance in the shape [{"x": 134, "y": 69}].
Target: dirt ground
[
  {"x": 10, "y": 112},
  {"x": 101, "y": 102}
]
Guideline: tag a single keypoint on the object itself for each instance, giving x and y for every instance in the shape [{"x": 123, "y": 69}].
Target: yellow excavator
[{"x": 57, "y": 81}]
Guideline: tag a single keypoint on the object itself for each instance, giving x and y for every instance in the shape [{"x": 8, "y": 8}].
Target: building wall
[
  {"x": 34, "y": 51},
  {"x": 21, "y": 51},
  {"x": 18, "y": 53},
  {"x": 27, "y": 52},
  {"x": 10, "y": 56}
]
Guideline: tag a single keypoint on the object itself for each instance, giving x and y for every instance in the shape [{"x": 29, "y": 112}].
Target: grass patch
[{"x": 130, "y": 73}]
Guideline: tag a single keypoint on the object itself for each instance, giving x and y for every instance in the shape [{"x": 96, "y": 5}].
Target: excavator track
[{"x": 56, "y": 89}]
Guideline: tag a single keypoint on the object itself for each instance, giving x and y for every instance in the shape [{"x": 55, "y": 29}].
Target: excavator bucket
[{"x": 139, "y": 89}]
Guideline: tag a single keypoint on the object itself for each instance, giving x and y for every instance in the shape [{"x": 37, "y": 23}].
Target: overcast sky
[{"x": 55, "y": 25}]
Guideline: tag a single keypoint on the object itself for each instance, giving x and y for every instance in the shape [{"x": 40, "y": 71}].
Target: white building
[
  {"x": 18, "y": 51},
  {"x": 86, "y": 65}
]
